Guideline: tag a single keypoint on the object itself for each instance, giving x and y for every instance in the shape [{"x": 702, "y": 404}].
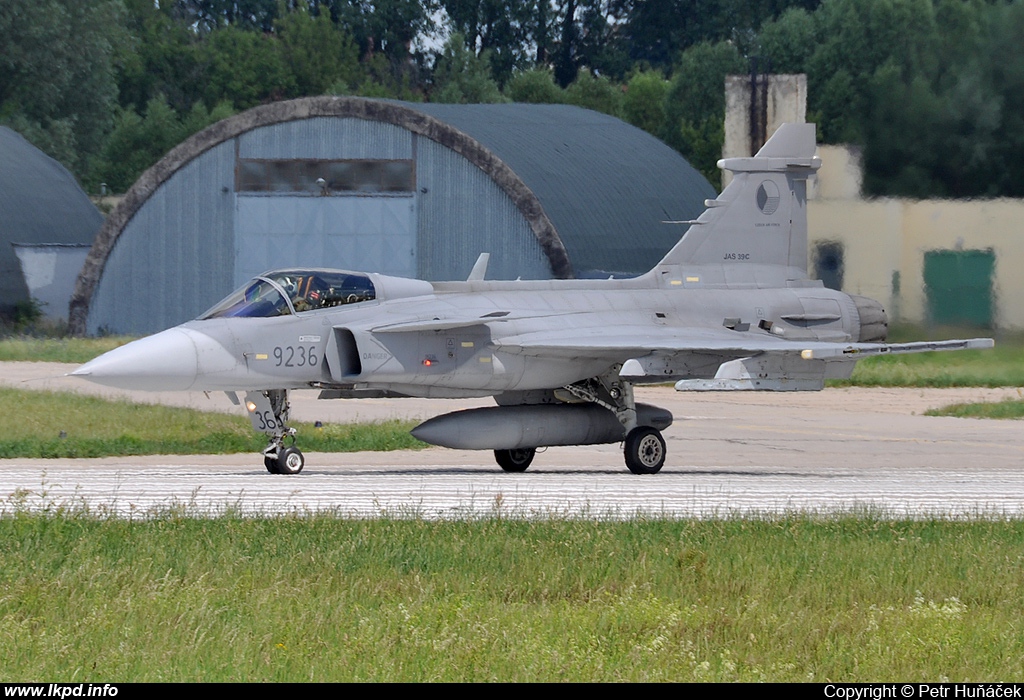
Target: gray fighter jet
[{"x": 730, "y": 307}]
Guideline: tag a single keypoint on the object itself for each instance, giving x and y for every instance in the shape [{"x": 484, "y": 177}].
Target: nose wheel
[
  {"x": 268, "y": 411},
  {"x": 288, "y": 460}
]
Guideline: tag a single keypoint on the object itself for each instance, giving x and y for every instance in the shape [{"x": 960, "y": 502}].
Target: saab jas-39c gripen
[{"x": 730, "y": 307}]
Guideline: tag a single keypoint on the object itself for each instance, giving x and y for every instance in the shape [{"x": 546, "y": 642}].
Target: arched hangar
[
  {"x": 415, "y": 190},
  {"x": 47, "y": 224}
]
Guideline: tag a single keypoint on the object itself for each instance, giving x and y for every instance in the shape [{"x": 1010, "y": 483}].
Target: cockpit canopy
[{"x": 286, "y": 292}]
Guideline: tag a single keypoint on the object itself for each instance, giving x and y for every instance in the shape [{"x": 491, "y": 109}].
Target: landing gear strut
[
  {"x": 268, "y": 411},
  {"x": 644, "y": 448}
]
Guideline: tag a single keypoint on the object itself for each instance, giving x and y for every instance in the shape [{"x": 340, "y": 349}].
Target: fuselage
[{"x": 415, "y": 338}]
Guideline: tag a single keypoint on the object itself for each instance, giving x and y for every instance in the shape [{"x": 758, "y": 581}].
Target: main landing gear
[
  {"x": 515, "y": 460},
  {"x": 268, "y": 411},
  {"x": 643, "y": 445},
  {"x": 644, "y": 450}
]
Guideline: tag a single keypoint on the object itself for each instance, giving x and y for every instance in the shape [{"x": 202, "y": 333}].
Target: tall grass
[
  {"x": 71, "y": 350},
  {"x": 324, "y": 599},
  {"x": 51, "y": 424},
  {"x": 1008, "y": 409},
  {"x": 1000, "y": 366}
]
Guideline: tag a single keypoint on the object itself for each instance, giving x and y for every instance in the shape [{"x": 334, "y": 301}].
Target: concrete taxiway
[{"x": 840, "y": 450}]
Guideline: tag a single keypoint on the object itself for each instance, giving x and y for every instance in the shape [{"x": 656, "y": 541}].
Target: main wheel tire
[
  {"x": 271, "y": 464},
  {"x": 514, "y": 460},
  {"x": 290, "y": 461},
  {"x": 645, "y": 450}
]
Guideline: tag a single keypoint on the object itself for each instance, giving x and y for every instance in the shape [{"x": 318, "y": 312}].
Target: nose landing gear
[{"x": 268, "y": 411}]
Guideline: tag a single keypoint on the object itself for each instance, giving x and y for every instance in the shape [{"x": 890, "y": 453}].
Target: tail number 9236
[{"x": 294, "y": 356}]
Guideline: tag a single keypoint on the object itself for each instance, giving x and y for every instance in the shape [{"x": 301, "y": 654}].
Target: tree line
[{"x": 930, "y": 89}]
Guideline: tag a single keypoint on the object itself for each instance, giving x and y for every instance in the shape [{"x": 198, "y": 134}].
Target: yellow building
[
  {"x": 928, "y": 261},
  {"x": 948, "y": 262}
]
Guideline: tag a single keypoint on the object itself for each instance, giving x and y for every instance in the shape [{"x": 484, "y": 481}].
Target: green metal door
[{"x": 958, "y": 286}]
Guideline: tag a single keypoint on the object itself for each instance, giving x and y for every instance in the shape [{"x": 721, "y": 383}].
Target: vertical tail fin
[{"x": 761, "y": 216}]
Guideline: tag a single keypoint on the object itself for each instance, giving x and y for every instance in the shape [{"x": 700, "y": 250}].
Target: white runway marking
[
  {"x": 839, "y": 450},
  {"x": 460, "y": 491}
]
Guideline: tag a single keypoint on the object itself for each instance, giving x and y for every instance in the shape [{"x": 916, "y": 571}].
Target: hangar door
[
  {"x": 958, "y": 286},
  {"x": 347, "y": 214}
]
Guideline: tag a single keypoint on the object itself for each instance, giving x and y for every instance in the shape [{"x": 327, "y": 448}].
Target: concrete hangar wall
[{"x": 416, "y": 190}]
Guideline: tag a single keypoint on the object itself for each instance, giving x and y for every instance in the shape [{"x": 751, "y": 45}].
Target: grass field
[
  {"x": 1006, "y": 410},
  {"x": 1000, "y": 366},
  {"x": 94, "y": 427},
  {"x": 326, "y": 599},
  {"x": 318, "y": 598},
  {"x": 73, "y": 350}
]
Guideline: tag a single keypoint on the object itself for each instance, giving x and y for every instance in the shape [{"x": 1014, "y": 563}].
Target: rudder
[{"x": 761, "y": 216}]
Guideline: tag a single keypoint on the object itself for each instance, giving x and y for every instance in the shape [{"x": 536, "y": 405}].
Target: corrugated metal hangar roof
[
  {"x": 40, "y": 202},
  {"x": 549, "y": 190},
  {"x": 605, "y": 184}
]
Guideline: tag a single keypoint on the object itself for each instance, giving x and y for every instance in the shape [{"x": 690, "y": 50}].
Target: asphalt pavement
[{"x": 839, "y": 450}]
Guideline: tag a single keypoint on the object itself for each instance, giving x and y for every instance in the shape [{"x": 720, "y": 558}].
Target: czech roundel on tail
[{"x": 730, "y": 307}]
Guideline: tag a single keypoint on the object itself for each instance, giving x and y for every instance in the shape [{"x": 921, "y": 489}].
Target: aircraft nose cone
[{"x": 167, "y": 361}]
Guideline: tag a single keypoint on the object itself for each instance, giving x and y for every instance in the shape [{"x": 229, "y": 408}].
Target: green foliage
[
  {"x": 701, "y": 143},
  {"x": 644, "y": 102},
  {"x": 789, "y": 41},
  {"x": 861, "y": 36},
  {"x": 903, "y": 166},
  {"x": 57, "y": 85},
  {"x": 165, "y": 60},
  {"x": 497, "y": 27},
  {"x": 856, "y": 40},
  {"x": 385, "y": 27},
  {"x": 595, "y": 92},
  {"x": 64, "y": 425},
  {"x": 997, "y": 86},
  {"x": 379, "y": 77},
  {"x": 138, "y": 142},
  {"x": 462, "y": 77},
  {"x": 26, "y": 312},
  {"x": 1000, "y": 366},
  {"x": 208, "y": 15},
  {"x": 199, "y": 117},
  {"x": 923, "y": 85},
  {"x": 698, "y": 81},
  {"x": 25, "y": 348},
  {"x": 1010, "y": 409},
  {"x": 318, "y": 52},
  {"x": 245, "y": 68},
  {"x": 657, "y": 31},
  {"x": 933, "y": 90},
  {"x": 174, "y": 598},
  {"x": 25, "y": 321},
  {"x": 695, "y": 105},
  {"x": 536, "y": 85},
  {"x": 598, "y": 40}
]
